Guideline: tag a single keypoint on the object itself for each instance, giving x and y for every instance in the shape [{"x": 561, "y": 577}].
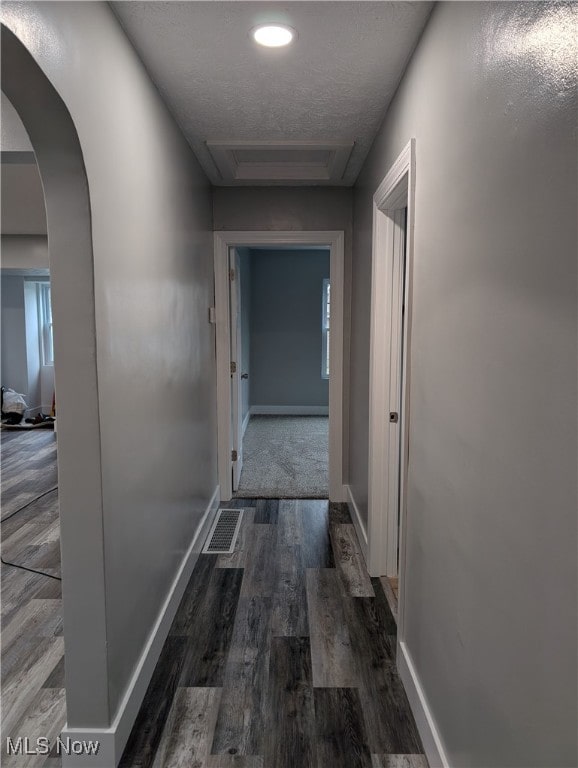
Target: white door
[{"x": 236, "y": 361}]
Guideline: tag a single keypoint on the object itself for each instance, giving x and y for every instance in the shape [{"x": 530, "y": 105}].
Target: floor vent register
[{"x": 223, "y": 535}]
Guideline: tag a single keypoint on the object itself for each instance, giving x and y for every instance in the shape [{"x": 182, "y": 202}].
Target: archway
[{"x": 61, "y": 165}]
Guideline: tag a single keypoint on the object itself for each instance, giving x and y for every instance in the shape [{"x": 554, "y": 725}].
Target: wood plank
[
  {"x": 45, "y": 557},
  {"x": 290, "y": 597},
  {"x": 24, "y": 680},
  {"x": 48, "y": 534},
  {"x": 45, "y": 717},
  {"x": 187, "y": 737},
  {"x": 340, "y": 732},
  {"x": 389, "y": 722},
  {"x": 289, "y": 530},
  {"x": 290, "y": 734},
  {"x": 339, "y": 513},
  {"x": 333, "y": 660},
  {"x": 239, "y": 503},
  {"x": 19, "y": 537},
  {"x": 266, "y": 511},
  {"x": 41, "y": 618},
  {"x": 212, "y": 629},
  {"x": 42, "y": 511},
  {"x": 242, "y": 714},
  {"x": 147, "y": 731},
  {"x": 186, "y": 616},
  {"x": 56, "y": 678},
  {"x": 389, "y": 595},
  {"x": 350, "y": 561},
  {"x": 48, "y": 589},
  {"x": 316, "y": 545},
  {"x": 16, "y": 585},
  {"x": 388, "y": 623},
  {"x": 259, "y": 573}
]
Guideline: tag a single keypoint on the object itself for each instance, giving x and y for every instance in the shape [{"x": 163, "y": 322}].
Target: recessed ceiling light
[{"x": 273, "y": 35}]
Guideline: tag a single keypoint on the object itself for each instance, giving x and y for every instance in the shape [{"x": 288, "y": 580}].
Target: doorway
[
  {"x": 280, "y": 315},
  {"x": 245, "y": 424},
  {"x": 393, "y": 214}
]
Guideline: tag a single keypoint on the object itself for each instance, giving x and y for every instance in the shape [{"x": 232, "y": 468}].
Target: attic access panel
[{"x": 278, "y": 161}]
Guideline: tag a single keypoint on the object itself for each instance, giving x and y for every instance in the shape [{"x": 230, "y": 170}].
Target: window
[
  {"x": 45, "y": 317},
  {"x": 325, "y": 315}
]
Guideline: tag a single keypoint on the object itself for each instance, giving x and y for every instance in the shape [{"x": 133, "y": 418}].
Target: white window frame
[
  {"x": 325, "y": 327},
  {"x": 45, "y": 323}
]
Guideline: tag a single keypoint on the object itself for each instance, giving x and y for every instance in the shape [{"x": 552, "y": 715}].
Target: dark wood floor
[
  {"x": 33, "y": 701},
  {"x": 282, "y": 655}
]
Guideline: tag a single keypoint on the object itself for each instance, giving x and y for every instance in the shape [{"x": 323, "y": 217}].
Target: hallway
[
  {"x": 281, "y": 655},
  {"x": 430, "y": 147}
]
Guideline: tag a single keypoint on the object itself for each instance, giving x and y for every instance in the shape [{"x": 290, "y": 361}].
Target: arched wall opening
[{"x": 67, "y": 197}]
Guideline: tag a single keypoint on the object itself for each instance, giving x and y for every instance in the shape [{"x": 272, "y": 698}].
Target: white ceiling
[{"x": 332, "y": 86}]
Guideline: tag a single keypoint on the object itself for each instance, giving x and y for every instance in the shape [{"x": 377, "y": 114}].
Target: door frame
[
  {"x": 386, "y": 445},
  {"x": 334, "y": 240},
  {"x": 236, "y": 354}
]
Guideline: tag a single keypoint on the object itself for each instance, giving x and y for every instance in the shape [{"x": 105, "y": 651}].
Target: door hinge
[
  {"x": 233, "y": 367},
  {"x": 231, "y": 274},
  {"x": 234, "y": 455}
]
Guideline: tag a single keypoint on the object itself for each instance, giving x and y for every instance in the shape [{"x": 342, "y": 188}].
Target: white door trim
[
  {"x": 396, "y": 192},
  {"x": 334, "y": 240},
  {"x": 237, "y": 355}
]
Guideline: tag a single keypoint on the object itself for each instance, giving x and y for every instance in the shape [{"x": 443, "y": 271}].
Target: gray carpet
[{"x": 285, "y": 457}]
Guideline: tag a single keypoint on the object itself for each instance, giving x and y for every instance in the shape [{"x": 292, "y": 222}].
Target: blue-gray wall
[{"x": 286, "y": 292}]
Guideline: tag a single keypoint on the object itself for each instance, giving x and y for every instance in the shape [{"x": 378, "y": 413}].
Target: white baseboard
[
  {"x": 432, "y": 743},
  {"x": 245, "y": 423},
  {"x": 357, "y": 522},
  {"x": 289, "y": 410},
  {"x": 114, "y": 738}
]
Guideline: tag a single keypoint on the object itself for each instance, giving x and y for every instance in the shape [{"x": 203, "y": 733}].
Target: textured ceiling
[{"x": 334, "y": 83}]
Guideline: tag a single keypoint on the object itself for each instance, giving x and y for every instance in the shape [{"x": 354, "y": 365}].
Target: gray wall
[
  {"x": 22, "y": 209},
  {"x": 14, "y": 364},
  {"x": 153, "y": 282},
  {"x": 491, "y": 531},
  {"x": 13, "y": 136},
  {"x": 24, "y": 251},
  {"x": 286, "y": 290}
]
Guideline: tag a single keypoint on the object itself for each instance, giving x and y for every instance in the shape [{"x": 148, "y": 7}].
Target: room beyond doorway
[{"x": 232, "y": 377}]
